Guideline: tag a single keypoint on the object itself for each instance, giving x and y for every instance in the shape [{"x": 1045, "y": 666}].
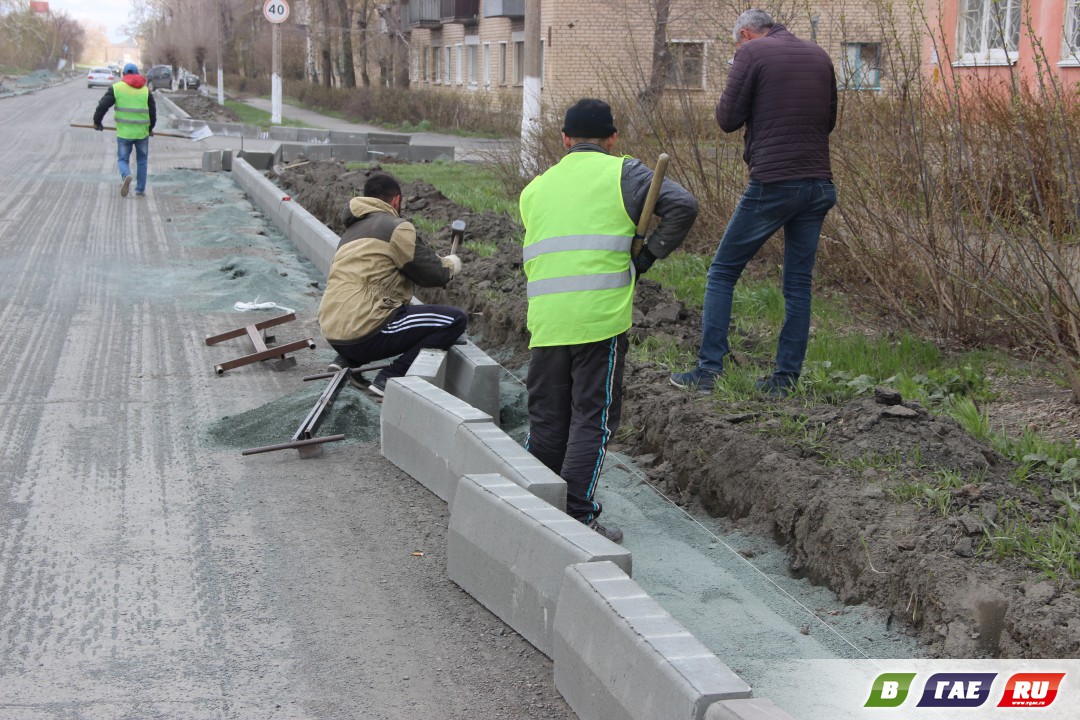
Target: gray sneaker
[
  {"x": 611, "y": 532},
  {"x": 337, "y": 364},
  {"x": 125, "y": 186},
  {"x": 699, "y": 379}
]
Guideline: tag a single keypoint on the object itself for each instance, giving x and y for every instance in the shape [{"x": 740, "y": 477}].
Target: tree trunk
[
  {"x": 311, "y": 72},
  {"x": 348, "y": 62},
  {"x": 362, "y": 28},
  {"x": 325, "y": 55},
  {"x": 661, "y": 57}
]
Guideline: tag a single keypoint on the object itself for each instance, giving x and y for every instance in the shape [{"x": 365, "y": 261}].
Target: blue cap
[{"x": 131, "y": 69}]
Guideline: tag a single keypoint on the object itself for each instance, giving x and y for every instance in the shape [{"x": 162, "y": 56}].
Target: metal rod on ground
[
  {"x": 292, "y": 444},
  {"x": 650, "y": 204}
]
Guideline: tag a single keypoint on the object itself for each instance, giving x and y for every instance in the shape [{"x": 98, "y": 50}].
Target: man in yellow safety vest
[
  {"x": 136, "y": 115},
  {"x": 580, "y": 219}
]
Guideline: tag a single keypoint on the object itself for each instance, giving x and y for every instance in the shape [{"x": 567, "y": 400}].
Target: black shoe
[
  {"x": 337, "y": 364},
  {"x": 777, "y": 386},
  {"x": 378, "y": 385},
  {"x": 611, "y": 532}
]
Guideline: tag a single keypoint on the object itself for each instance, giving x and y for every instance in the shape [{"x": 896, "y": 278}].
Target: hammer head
[{"x": 457, "y": 234}]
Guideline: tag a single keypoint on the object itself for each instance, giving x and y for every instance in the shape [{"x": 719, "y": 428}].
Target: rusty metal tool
[
  {"x": 304, "y": 439},
  {"x": 254, "y": 332}
]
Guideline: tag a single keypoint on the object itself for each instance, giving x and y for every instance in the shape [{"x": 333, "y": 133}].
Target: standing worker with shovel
[
  {"x": 136, "y": 115},
  {"x": 581, "y": 217}
]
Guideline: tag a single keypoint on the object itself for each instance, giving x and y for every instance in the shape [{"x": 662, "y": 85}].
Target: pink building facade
[{"x": 991, "y": 40}]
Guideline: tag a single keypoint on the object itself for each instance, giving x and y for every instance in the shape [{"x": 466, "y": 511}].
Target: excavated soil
[{"x": 841, "y": 528}]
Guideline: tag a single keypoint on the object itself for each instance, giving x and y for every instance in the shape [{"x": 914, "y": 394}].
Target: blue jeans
[
  {"x": 798, "y": 206},
  {"x": 123, "y": 155}
]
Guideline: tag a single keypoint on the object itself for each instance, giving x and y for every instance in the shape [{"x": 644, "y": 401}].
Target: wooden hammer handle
[{"x": 650, "y": 204}]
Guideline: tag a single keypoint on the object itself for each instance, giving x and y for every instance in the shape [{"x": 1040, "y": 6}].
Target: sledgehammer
[
  {"x": 457, "y": 233},
  {"x": 650, "y": 204}
]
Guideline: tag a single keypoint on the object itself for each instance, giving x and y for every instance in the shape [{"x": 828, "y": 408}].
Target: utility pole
[
  {"x": 530, "y": 94},
  {"x": 277, "y": 12}
]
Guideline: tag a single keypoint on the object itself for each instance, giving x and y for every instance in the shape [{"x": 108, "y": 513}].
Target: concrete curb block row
[{"x": 567, "y": 590}]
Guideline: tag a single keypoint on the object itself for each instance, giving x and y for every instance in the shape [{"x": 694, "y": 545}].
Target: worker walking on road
[
  {"x": 136, "y": 116},
  {"x": 783, "y": 91},
  {"x": 365, "y": 313},
  {"x": 580, "y": 217}
]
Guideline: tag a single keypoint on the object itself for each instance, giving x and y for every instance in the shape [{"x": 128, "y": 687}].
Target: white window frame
[
  {"x": 504, "y": 63},
  {"x": 487, "y": 65},
  {"x": 436, "y": 65},
  {"x": 459, "y": 56},
  {"x": 1070, "y": 43},
  {"x": 472, "y": 60},
  {"x": 446, "y": 65},
  {"x": 850, "y": 72},
  {"x": 704, "y": 62},
  {"x": 987, "y": 53}
]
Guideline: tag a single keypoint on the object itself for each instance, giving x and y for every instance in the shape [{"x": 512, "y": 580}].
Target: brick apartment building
[{"x": 604, "y": 47}]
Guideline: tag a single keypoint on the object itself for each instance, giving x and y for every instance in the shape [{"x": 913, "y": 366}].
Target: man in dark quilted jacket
[{"x": 782, "y": 91}]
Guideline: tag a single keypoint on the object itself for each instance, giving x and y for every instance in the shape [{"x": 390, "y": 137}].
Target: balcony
[
  {"x": 460, "y": 11},
  {"x": 504, "y": 8},
  {"x": 425, "y": 13}
]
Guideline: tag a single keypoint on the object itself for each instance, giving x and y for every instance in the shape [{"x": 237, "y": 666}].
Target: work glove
[
  {"x": 644, "y": 261},
  {"x": 454, "y": 263},
  {"x": 99, "y": 127}
]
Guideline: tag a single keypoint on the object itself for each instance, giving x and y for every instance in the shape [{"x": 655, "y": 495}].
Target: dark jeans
[
  {"x": 123, "y": 158},
  {"x": 575, "y": 402},
  {"x": 410, "y": 330},
  {"x": 797, "y": 206}
]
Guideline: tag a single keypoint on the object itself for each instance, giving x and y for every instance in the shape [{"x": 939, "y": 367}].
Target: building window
[
  {"x": 436, "y": 66},
  {"x": 487, "y": 64},
  {"x": 860, "y": 68},
  {"x": 473, "y": 63},
  {"x": 1071, "y": 50},
  {"x": 502, "y": 64},
  {"x": 458, "y": 57},
  {"x": 446, "y": 64},
  {"x": 423, "y": 64},
  {"x": 519, "y": 62},
  {"x": 988, "y": 32},
  {"x": 687, "y": 68}
]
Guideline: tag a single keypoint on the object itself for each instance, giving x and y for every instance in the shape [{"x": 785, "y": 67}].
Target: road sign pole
[
  {"x": 277, "y": 12},
  {"x": 275, "y": 79}
]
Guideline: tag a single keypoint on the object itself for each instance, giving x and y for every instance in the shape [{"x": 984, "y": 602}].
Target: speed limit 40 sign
[{"x": 276, "y": 11}]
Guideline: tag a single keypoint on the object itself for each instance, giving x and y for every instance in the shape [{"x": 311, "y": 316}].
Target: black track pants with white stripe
[
  {"x": 575, "y": 403},
  {"x": 410, "y": 330}
]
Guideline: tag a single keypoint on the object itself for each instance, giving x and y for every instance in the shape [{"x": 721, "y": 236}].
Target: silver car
[{"x": 100, "y": 77}]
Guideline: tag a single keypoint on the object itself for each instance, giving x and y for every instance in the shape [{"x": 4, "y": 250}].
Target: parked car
[
  {"x": 159, "y": 76},
  {"x": 100, "y": 77},
  {"x": 191, "y": 79}
]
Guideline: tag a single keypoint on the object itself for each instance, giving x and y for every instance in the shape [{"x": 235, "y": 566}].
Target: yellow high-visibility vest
[{"x": 576, "y": 252}]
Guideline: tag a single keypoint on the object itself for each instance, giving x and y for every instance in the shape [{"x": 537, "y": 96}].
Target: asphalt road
[{"x": 146, "y": 572}]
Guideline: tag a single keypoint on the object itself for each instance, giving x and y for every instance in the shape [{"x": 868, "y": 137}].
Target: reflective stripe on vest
[
  {"x": 577, "y": 251},
  {"x": 132, "y": 111}
]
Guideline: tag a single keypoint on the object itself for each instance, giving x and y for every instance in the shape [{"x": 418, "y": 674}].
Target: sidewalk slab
[
  {"x": 618, "y": 654},
  {"x": 509, "y": 550}
]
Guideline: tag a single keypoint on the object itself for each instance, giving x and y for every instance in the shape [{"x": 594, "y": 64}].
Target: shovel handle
[
  {"x": 650, "y": 204},
  {"x": 156, "y": 133}
]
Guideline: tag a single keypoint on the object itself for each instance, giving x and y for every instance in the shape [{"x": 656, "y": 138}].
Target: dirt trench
[{"x": 841, "y": 528}]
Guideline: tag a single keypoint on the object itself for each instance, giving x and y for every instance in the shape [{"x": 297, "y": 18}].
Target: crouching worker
[{"x": 365, "y": 313}]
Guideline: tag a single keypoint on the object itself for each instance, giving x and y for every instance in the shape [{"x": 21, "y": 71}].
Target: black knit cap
[{"x": 589, "y": 118}]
